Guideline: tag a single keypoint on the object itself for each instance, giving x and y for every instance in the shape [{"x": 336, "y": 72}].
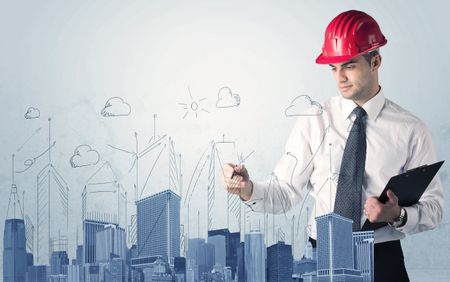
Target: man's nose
[{"x": 340, "y": 75}]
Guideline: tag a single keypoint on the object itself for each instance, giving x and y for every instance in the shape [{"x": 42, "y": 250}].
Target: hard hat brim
[{"x": 324, "y": 60}]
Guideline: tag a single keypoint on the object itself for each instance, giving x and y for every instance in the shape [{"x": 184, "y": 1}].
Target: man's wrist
[
  {"x": 400, "y": 220},
  {"x": 246, "y": 193}
]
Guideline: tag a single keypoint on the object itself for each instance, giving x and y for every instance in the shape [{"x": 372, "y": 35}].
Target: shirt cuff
[
  {"x": 256, "y": 201},
  {"x": 412, "y": 219}
]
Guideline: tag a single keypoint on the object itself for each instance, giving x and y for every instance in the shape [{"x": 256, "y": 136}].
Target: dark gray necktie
[{"x": 348, "y": 194}]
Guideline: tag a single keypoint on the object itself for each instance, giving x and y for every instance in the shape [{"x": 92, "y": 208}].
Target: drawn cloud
[
  {"x": 303, "y": 105},
  {"x": 116, "y": 106},
  {"x": 84, "y": 156},
  {"x": 32, "y": 113},
  {"x": 227, "y": 99}
]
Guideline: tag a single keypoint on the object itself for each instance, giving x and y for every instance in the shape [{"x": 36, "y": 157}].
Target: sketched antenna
[
  {"x": 48, "y": 212},
  {"x": 14, "y": 198}
]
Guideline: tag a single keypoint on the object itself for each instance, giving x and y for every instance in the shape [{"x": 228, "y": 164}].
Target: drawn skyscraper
[
  {"x": 255, "y": 257},
  {"x": 158, "y": 225},
  {"x": 201, "y": 254},
  {"x": 90, "y": 229},
  {"x": 335, "y": 250},
  {"x": 232, "y": 241},
  {"x": 14, "y": 242},
  {"x": 59, "y": 261},
  {"x": 110, "y": 241},
  {"x": 363, "y": 249},
  {"x": 219, "y": 249},
  {"x": 52, "y": 213},
  {"x": 14, "y": 253},
  {"x": 279, "y": 263}
]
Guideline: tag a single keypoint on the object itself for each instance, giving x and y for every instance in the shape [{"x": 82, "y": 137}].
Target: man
[{"x": 358, "y": 141}]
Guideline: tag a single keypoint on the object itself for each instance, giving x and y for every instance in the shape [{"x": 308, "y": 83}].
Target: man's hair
[{"x": 371, "y": 54}]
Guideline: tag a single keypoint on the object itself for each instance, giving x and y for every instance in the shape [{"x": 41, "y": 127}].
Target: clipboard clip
[{"x": 416, "y": 168}]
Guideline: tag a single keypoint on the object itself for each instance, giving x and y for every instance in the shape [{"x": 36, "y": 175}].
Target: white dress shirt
[{"x": 396, "y": 142}]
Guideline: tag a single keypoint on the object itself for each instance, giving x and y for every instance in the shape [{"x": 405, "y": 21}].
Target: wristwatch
[{"x": 400, "y": 220}]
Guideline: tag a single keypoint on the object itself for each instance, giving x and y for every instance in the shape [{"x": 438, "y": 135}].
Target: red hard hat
[{"x": 349, "y": 35}]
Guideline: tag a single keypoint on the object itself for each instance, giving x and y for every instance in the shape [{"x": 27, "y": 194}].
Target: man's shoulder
[{"x": 400, "y": 115}]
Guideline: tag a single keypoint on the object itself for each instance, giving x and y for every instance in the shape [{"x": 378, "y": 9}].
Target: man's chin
[{"x": 346, "y": 95}]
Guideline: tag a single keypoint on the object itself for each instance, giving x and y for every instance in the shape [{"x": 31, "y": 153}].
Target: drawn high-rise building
[
  {"x": 363, "y": 249},
  {"x": 75, "y": 273},
  {"x": 158, "y": 225},
  {"x": 201, "y": 254},
  {"x": 279, "y": 263},
  {"x": 179, "y": 268},
  {"x": 219, "y": 249},
  {"x": 14, "y": 251},
  {"x": 79, "y": 254},
  {"x": 14, "y": 239},
  {"x": 117, "y": 270},
  {"x": 335, "y": 249},
  {"x": 240, "y": 268},
  {"x": 37, "y": 273},
  {"x": 232, "y": 240},
  {"x": 255, "y": 257},
  {"x": 58, "y": 263},
  {"x": 52, "y": 202},
  {"x": 90, "y": 229},
  {"x": 110, "y": 242}
]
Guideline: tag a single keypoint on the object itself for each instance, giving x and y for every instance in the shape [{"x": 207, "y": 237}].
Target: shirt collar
[{"x": 372, "y": 107}]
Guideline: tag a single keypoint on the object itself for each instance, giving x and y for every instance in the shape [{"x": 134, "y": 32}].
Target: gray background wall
[{"x": 67, "y": 58}]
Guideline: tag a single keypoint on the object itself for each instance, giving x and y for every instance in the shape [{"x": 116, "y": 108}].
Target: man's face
[{"x": 353, "y": 78}]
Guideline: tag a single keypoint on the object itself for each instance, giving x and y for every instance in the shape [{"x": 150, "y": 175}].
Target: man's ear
[{"x": 376, "y": 62}]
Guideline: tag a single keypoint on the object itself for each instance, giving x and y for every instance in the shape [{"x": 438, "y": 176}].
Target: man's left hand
[{"x": 376, "y": 211}]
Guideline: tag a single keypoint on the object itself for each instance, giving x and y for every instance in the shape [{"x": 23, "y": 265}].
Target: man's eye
[{"x": 350, "y": 67}]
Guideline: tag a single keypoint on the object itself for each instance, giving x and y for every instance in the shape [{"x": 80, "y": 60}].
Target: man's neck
[{"x": 373, "y": 92}]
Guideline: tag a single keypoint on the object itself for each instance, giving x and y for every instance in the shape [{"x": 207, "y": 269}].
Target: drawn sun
[{"x": 194, "y": 106}]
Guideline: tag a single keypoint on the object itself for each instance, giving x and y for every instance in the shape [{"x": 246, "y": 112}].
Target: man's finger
[{"x": 392, "y": 197}]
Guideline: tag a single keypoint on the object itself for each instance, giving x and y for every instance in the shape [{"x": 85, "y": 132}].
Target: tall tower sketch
[
  {"x": 14, "y": 242},
  {"x": 14, "y": 198},
  {"x": 175, "y": 174},
  {"x": 50, "y": 213},
  {"x": 158, "y": 219},
  {"x": 105, "y": 184},
  {"x": 210, "y": 156},
  {"x": 137, "y": 154}
]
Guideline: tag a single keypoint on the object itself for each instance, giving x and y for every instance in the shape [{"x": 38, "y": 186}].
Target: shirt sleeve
[
  {"x": 291, "y": 175},
  {"x": 427, "y": 213}
]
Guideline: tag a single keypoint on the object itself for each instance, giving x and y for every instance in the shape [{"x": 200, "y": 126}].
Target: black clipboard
[{"x": 408, "y": 187}]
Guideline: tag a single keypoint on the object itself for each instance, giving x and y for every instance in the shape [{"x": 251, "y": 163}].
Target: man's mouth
[{"x": 345, "y": 87}]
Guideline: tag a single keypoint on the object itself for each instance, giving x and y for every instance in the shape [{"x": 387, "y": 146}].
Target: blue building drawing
[
  {"x": 279, "y": 262},
  {"x": 335, "y": 249},
  {"x": 158, "y": 225},
  {"x": 14, "y": 252}
]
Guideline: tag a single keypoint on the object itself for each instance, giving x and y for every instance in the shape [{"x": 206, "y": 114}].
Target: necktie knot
[{"x": 359, "y": 112}]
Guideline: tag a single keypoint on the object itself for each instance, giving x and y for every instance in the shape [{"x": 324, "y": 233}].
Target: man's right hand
[{"x": 236, "y": 180}]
